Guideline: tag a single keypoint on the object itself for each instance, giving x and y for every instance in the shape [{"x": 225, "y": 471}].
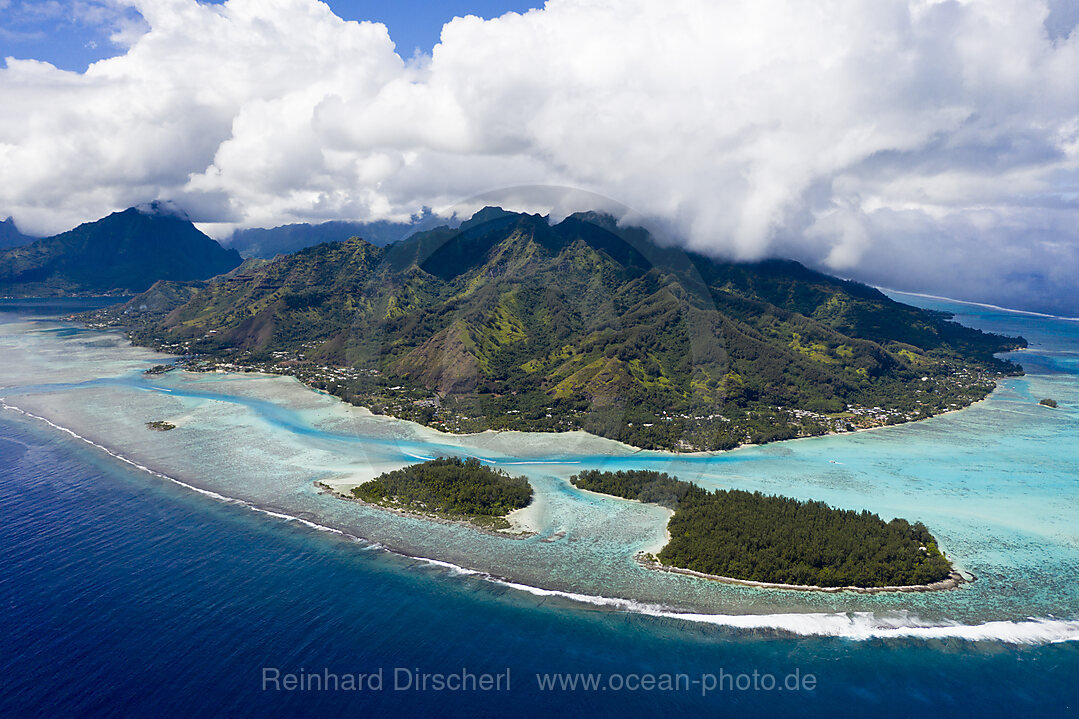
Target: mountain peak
[
  {"x": 162, "y": 208},
  {"x": 493, "y": 217},
  {"x": 490, "y": 213},
  {"x": 125, "y": 252},
  {"x": 601, "y": 219},
  {"x": 10, "y": 236}
]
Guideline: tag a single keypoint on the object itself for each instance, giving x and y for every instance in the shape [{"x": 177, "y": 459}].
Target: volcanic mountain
[{"x": 509, "y": 321}]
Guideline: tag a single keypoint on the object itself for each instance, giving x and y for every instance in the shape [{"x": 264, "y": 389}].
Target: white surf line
[
  {"x": 863, "y": 626},
  {"x": 1012, "y": 310},
  {"x": 856, "y": 626},
  {"x": 205, "y": 492}
]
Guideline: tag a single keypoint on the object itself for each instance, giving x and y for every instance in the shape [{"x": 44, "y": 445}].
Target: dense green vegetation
[
  {"x": 641, "y": 484},
  {"x": 509, "y": 322},
  {"x": 1049, "y": 403},
  {"x": 125, "y": 252},
  {"x": 751, "y": 536},
  {"x": 159, "y": 425},
  {"x": 449, "y": 487}
]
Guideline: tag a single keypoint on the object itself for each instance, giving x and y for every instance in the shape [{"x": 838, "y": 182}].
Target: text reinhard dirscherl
[
  {"x": 407, "y": 679},
  {"x": 402, "y": 679}
]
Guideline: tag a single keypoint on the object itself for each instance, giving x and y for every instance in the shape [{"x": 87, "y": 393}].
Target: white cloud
[{"x": 829, "y": 131}]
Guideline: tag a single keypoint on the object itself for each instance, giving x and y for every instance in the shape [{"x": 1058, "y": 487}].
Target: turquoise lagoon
[{"x": 998, "y": 483}]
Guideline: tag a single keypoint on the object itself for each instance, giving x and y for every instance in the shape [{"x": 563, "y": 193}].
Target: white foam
[
  {"x": 205, "y": 492},
  {"x": 867, "y": 625},
  {"x": 1029, "y": 313},
  {"x": 850, "y": 625}
]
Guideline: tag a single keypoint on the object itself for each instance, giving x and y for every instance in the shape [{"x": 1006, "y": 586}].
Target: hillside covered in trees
[
  {"x": 755, "y": 537},
  {"x": 511, "y": 322}
]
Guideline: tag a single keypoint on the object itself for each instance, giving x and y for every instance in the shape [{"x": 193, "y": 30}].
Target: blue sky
[{"x": 71, "y": 34}]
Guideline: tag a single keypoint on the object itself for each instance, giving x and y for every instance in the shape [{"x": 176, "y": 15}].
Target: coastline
[
  {"x": 324, "y": 488},
  {"x": 845, "y": 433},
  {"x": 182, "y": 362},
  {"x": 954, "y": 581},
  {"x": 631, "y": 449}
]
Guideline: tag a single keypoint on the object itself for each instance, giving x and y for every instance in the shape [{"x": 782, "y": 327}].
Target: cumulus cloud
[{"x": 917, "y": 143}]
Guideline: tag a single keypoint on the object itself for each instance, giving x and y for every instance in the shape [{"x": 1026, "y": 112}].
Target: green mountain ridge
[
  {"x": 123, "y": 253},
  {"x": 510, "y": 322}
]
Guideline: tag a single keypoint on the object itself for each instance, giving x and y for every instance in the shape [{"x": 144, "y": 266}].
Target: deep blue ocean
[{"x": 126, "y": 597}]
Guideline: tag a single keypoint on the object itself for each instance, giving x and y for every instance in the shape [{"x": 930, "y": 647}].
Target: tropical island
[
  {"x": 1050, "y": 403},
  {"x": 159, "y": 425},
  {"x": 449, "y": 489},
  {"x": 511, "y": 322},
  {"x": 752, "y": 538}
]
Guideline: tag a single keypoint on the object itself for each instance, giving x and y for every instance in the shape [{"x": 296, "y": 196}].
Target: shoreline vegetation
[
  {"x": 953, "y": 581},
  {"x": 198, "y": 365},
  {"x": 409, "y": 403},
  {"x": 777, "y": 542},
  {"x": 447, "y": 490}
]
